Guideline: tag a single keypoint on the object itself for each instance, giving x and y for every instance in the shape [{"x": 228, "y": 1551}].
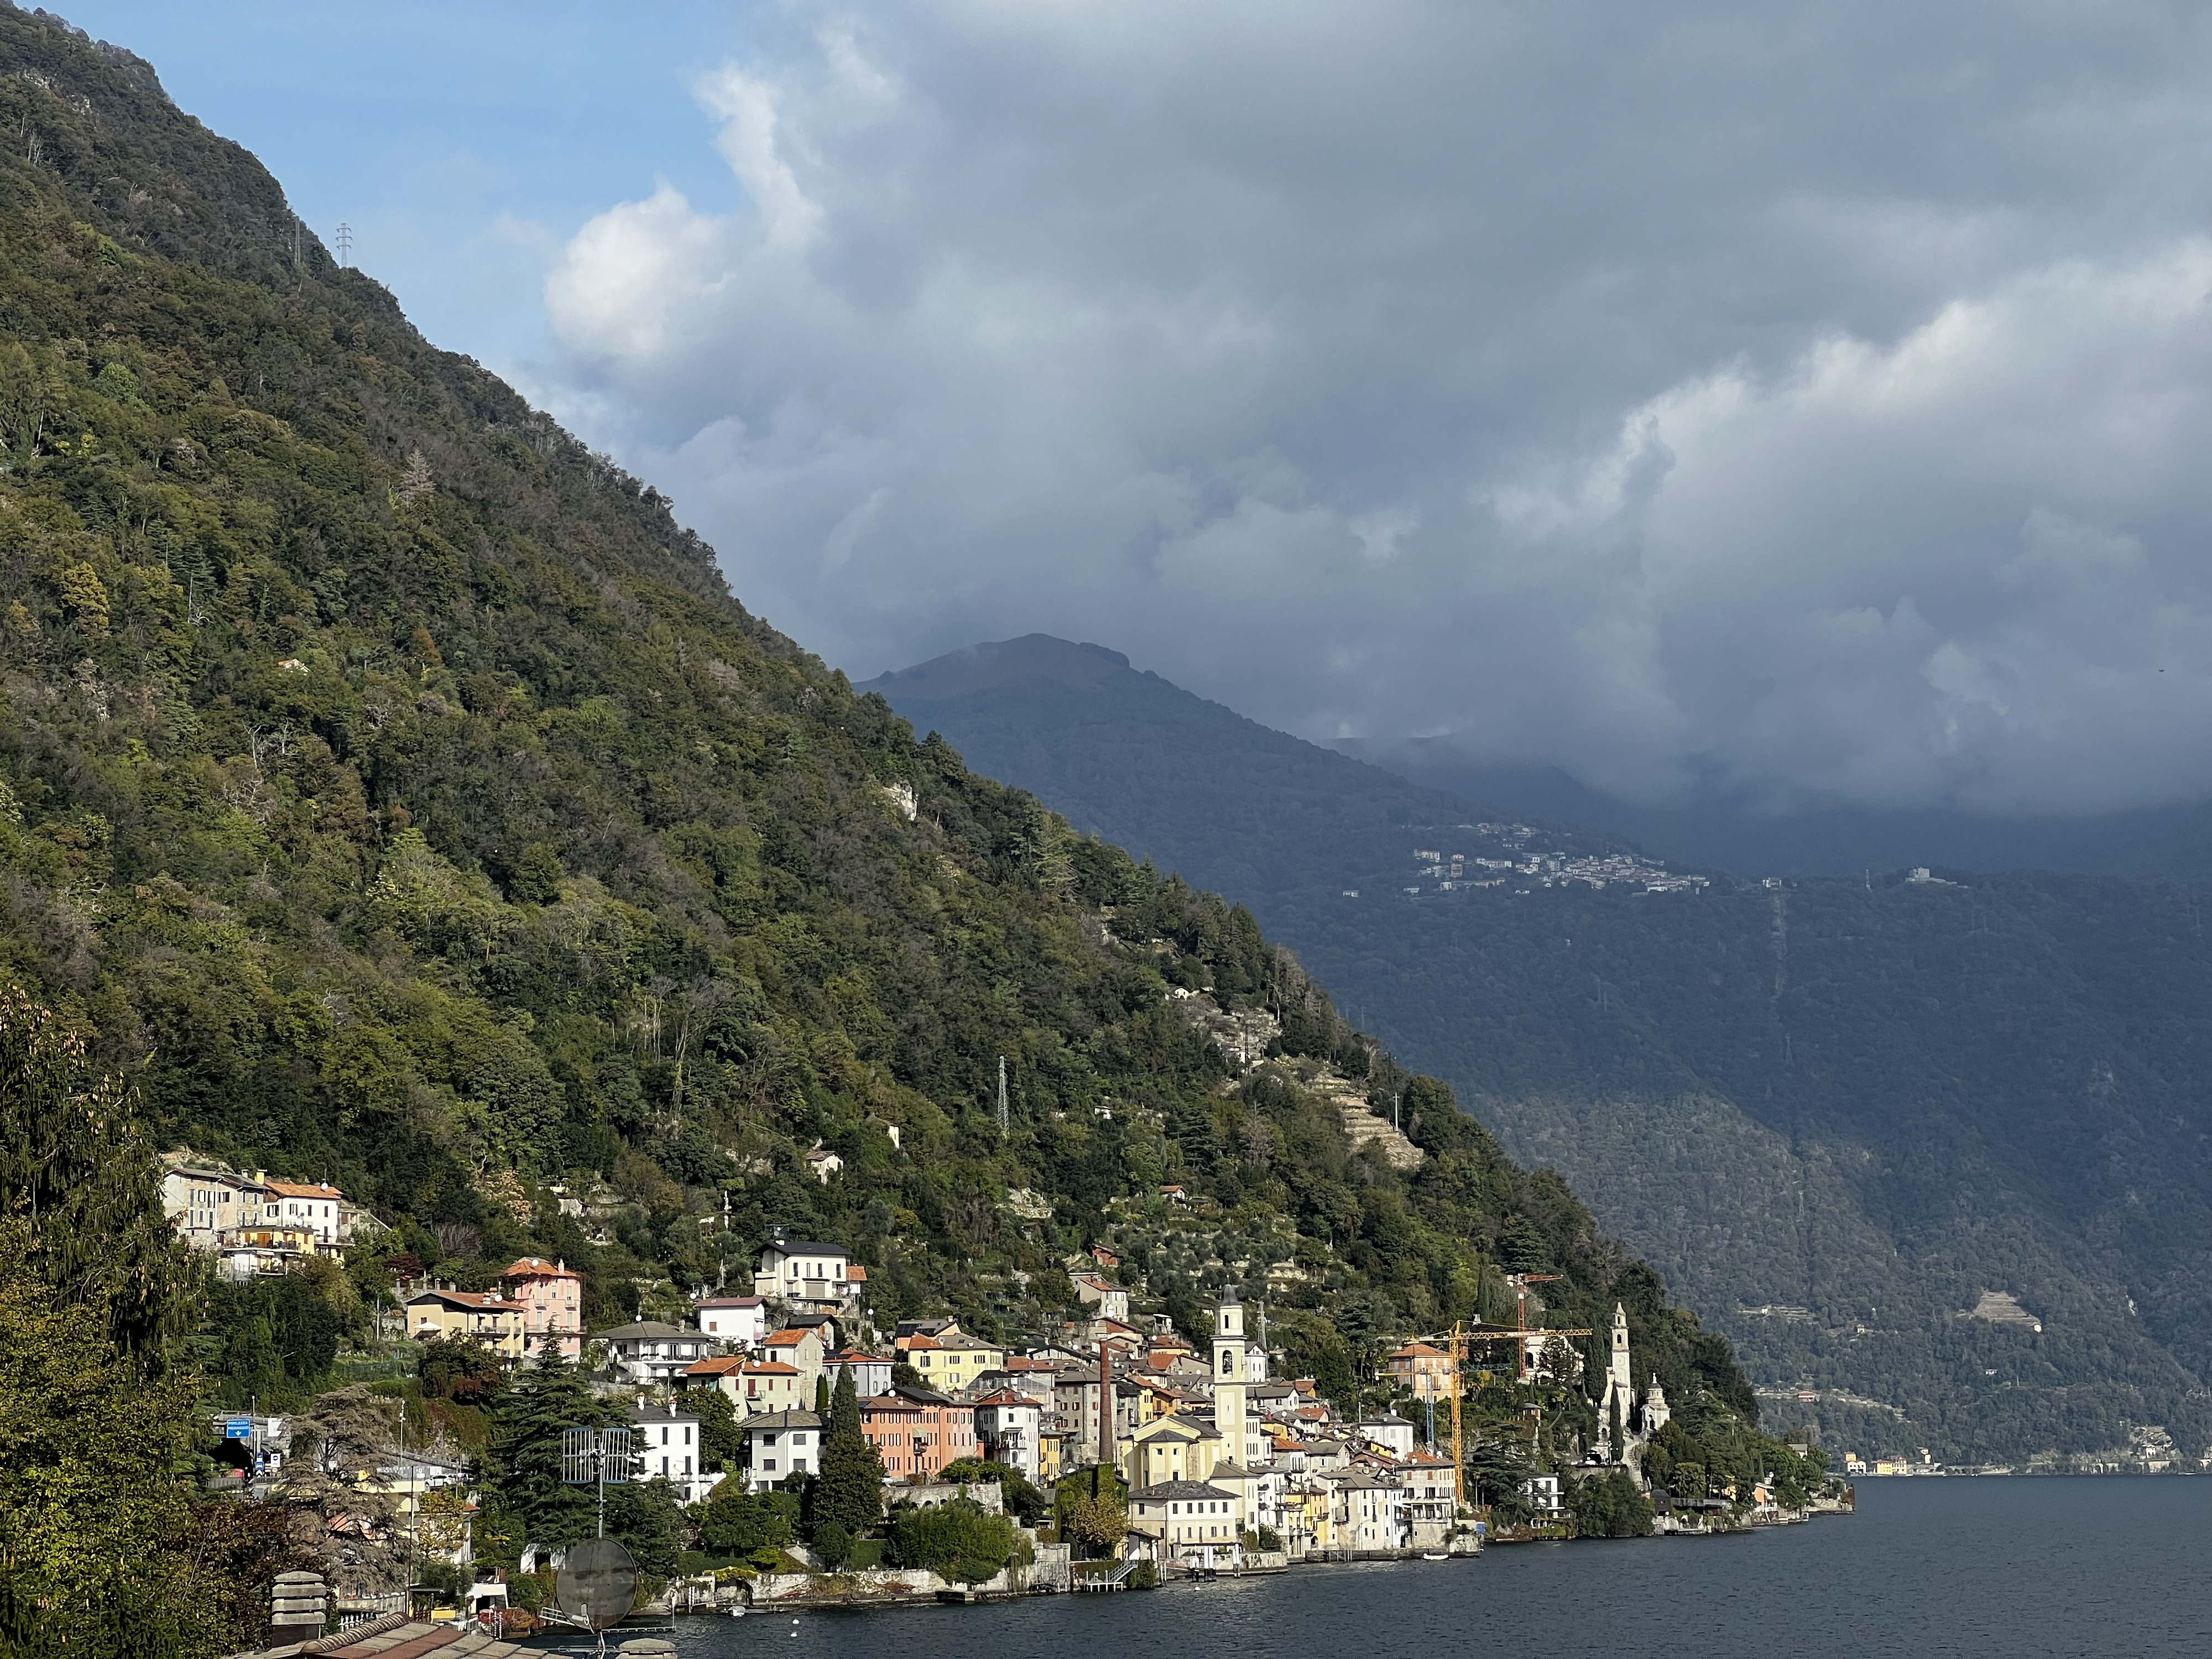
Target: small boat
[{"x": 1435, "y": 1555}]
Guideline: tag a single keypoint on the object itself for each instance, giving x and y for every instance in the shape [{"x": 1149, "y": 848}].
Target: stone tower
[
  {"x": 1618, "y": 1390},
  {"x": 1229, "y": 1373}
]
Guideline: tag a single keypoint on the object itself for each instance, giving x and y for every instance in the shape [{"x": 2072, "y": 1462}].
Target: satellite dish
[{"x": 596, "y": 1583}]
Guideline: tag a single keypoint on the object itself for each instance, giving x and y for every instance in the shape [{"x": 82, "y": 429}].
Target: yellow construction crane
[{"x": 1459, "y": 1336}]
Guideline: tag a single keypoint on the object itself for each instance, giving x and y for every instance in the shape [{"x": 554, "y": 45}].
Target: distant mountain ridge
[{"x": 1844, "y": 1117}]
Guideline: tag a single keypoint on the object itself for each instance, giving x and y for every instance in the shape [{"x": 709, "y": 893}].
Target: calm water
[{"x": 2013, "y": 1566}]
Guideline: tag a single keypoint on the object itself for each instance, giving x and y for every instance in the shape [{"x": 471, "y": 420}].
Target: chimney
[{"x": 297, "y": 1607}]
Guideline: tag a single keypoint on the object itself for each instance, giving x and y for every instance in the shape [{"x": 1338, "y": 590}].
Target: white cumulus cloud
[{"x": 1808, "y": 398}]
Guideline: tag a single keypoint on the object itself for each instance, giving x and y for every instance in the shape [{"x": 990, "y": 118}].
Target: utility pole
[
  {"x": 345, "y": 245},
  {"x": 1002, "y": 1094}
]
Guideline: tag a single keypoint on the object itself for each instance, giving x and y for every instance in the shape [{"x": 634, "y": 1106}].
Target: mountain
[
  {"x": 1715, "y": 827},
  {"x": 1937, "y": 1151},
  {"x": 395, "y": 795}
]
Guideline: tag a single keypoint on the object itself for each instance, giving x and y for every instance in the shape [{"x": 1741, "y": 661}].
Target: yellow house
[
  {"x": 953, "y": 1361},
  {"x": 467, "y": 1315},
  {"x": 1172, "y": 1448}
]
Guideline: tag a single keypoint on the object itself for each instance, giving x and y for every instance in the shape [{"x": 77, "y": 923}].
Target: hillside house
[
  {"x": 442, "y": 1312},
  {"x": 806, "y": 1274},
  {"x": 1101, "y": 1296},
  {"x": 918, "y": 1431},
  {"x": 1006, "y": 1428},
  {"x": 551, "y": 1295},
  {"x": 779, "y": 1444},
  {"x": 951, "y": 1362},
  {"x": 741, "y": 1321},
  {"x": 651, "y": 1352},
  {"x": 664, "y": 1445}
]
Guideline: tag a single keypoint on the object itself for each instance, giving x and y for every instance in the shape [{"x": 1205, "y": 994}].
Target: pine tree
[{"x": 523, "y": 1467}]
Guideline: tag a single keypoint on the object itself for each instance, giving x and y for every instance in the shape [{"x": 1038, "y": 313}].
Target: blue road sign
[{"x": 237, "y": 1428}]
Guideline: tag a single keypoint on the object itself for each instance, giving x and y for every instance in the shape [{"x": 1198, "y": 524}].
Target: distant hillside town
[{"x": 1518, "y": 862}]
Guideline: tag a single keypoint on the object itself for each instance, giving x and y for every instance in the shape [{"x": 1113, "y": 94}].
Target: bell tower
[{"x": 1228, "y": 1376}]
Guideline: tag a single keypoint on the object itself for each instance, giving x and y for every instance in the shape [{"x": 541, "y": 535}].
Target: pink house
[{"x": 552, "y": 1298}]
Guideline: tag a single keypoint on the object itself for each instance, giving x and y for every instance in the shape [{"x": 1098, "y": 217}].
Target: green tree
[
  {"x": 848, "y": 1492},
  {"x": 1092, "y": 1508},
  {"x": 721, "y": 1445},
  {"x": 522, "y": 1467},
  {"x": 646, "y": 1517},
  {"x": 1608, "y": 1506},
  {"x": 95, "y": 1523},
  {"x": 960, "y": 1541},
  {"x": 735, "y": 1522},
  {"x": 460, "y": 1369},
  {"x": 75, "y": 1169}
]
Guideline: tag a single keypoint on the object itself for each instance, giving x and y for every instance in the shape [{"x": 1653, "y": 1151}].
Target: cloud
[{"x": 1807, "y": 398}]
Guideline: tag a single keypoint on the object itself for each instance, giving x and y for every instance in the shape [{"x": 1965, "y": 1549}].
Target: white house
[
  {"x": 1371, "y": 1514},
  {"x": 665, "y": 1446},
  {"x": 779, "y": 1444},
  {"x": 741, "y": 1320},
  {"x": 1006, "y": 1425},
  {"x": 650, "y": 1351},
  {"x": 319, "y": 1208},
  {"x": 1187, "y": 1521},
  {"x": 797, "y": 1270},
  {"x": 1393, "y": 1433}
]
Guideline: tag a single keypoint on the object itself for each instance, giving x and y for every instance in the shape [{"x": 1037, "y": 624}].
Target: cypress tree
[{"x": 849, "y": 1492}]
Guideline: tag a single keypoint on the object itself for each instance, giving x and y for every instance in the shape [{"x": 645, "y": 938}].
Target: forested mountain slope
[
  {"x": 1839, "y": 1116},
  {"x": 394, "y": 792}
]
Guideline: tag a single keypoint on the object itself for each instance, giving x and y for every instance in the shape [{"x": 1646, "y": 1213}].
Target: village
[
  {"x": 1209, "y": 1462},
  {"x": 1522, "y": 867}
]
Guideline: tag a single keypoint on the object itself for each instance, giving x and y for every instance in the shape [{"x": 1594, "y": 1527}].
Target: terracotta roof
[
  {"x": 480, "y": 1302},
  {"x": 715, "y": 1367},
  {"x": 707, "y": 1302},
  {"x": 303, "y": 1189},
  {"x": 856, "y": 1273},
  {"x": 1418, "y": 1351},
  {"x": 788, "y": 1338},
  {"x": 769, "y": 1368},
  {"x": 536, "y": 1267}
]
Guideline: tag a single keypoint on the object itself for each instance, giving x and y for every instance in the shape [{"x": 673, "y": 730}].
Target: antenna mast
[{"x": 1002, "y": 1094}]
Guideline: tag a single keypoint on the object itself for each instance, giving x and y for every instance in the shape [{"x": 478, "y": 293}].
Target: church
[{"x": 1637, "y": 1422}]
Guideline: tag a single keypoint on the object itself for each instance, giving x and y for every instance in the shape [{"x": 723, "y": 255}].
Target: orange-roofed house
[
  {"x": 319, "y": 1208},
  {"x": 1423, "y": 1371},
  {"x": 552, "y": 1298},
  {"x": 800, "y": 1347}
]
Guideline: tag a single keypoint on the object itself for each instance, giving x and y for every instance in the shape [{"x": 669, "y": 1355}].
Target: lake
[{"x": 2015, "y": 1566}]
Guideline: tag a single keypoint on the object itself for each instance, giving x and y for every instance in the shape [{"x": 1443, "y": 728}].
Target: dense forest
[
  {"x": 390, "y": 794},
  {"x": 1836, "y": 1115}
]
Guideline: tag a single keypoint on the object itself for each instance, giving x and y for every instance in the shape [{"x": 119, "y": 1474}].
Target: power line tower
[
  {"x": 345, "y": 245},
  {"x": 1002, "y": 1094}
]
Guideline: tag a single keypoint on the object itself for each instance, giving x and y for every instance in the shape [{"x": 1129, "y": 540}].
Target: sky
[{"x": 1805, "y": 402}]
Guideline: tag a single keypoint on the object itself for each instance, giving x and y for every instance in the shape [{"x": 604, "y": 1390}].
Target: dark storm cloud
[{"x": 1811, "y": 396}]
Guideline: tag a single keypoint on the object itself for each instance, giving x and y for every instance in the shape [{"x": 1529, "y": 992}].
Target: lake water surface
[{"x": 2029, "y": 1567}]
